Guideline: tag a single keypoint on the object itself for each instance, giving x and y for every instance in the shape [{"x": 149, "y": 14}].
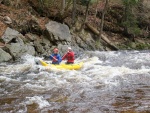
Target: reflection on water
[{"x": 109, "y": 82}]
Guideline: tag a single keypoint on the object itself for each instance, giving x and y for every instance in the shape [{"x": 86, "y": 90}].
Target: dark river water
[{"x": 109, "y": 82}]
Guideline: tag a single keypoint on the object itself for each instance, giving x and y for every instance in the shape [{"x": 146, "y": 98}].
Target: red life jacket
[
  {"x": 69, "y": 56},
  {"x": 54, "y": 58}
]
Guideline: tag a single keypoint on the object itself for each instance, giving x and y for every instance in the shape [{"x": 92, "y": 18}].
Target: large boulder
[
  {"x": 58, "y": 32},
  {"x": 16, "y": 44},
  {"x": 19, "y": 49},
  {"x": 11, "y": 34},
  {"x": 4, "y": 56}
]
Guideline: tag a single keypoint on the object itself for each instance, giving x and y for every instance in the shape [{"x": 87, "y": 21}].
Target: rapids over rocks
[{"x": 109, "y": 82}]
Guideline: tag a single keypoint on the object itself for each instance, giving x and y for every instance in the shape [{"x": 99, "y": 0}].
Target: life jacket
[
  {"x": 70, "y": 57},
  {"x": 56, "y": 56}
]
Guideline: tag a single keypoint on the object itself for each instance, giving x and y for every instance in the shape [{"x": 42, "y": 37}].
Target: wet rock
[
  {"x": 19, "y": 49},
  {"x": 42, "y": 45},
  {"x": 9, "y": 35},
  {"x": 87, "y": 38},
  {"x": 62, "y": 49},
  {"x": 17, "y": 44},
  {"x": 58, "y": 31},
  {"x": 29, "y": 49},
  {"x": 31, "y": 37},
  {"x": 39, "y": 47},
  {"x": 84, "y": 40},
  {"x": 80, "y": 42},
  {"x": 4, "y": 56}
]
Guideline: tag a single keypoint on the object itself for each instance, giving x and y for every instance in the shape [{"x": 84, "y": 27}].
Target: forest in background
[
  {"x": 125, "y": 23},
  {"x": 128, "y": 18}
]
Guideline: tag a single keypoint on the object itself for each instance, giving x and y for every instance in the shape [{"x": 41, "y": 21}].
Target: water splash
[{"x": 38, "y": 100}]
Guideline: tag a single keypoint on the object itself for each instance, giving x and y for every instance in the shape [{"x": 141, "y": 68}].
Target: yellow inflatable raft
[{"x": 64, "y": 66}]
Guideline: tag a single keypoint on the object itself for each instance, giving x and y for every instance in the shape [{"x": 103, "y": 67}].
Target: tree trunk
[
  {"x": 63, "y": 6},
  {"x": 96, "y": 11},
  {"x": 103, "y": 16},
  {"x": 86, "y": 14},
  {"x": 126, "y": 18}
]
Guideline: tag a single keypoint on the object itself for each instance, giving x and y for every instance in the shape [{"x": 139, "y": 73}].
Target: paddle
[
  {"x": 64, "y": 55},
  {"x": 53, "y": 57}
]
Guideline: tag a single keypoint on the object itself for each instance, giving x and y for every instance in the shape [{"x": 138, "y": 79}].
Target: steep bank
[{"x": 28, "y": 28}]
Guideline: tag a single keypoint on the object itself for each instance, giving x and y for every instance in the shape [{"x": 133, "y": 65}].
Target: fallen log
[{"x": 95, "y": 31}]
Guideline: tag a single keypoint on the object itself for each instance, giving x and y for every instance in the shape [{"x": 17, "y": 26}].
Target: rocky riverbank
[
  {"x": 24, "y": 30},
  {"x": 55, "y": 35}
]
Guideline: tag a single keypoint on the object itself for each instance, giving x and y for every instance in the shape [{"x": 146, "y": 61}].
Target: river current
[{"x": 109, "y": 82}]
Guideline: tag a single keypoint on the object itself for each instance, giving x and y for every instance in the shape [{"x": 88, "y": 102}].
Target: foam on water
[{"x": 38, "y": 100}]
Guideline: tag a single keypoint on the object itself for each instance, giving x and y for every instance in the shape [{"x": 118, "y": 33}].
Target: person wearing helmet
[
  {"x": 55, "y": 57},
  {"x": 69, "y": 56}
]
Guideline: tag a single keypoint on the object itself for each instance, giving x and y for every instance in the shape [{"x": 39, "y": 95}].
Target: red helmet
[{"x": 55, "y": 50}]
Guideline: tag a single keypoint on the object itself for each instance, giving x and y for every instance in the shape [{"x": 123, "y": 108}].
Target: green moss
[
  {"x": 97, "y": 44},
  {"x": 140, "y": 46},
  {"x": 136, "y": 46},
  {"x": 123, "y": 47}
]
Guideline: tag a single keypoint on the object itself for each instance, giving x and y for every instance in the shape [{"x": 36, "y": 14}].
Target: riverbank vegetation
[
  {"x": 120, "y": 23},
  {"x": 121, "y": 17}
]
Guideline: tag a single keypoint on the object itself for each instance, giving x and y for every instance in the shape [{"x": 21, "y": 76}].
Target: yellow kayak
[{"x": 64, "y": 66}]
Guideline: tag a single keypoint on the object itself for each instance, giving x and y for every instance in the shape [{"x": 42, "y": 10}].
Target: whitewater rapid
[{"x": 108, "y": 82}]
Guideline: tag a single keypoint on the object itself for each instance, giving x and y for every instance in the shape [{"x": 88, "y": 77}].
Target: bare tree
[
  {"x": 103, "y": 16},
  {"x": 86, "y": 14},
  {"x": 96, "y": 10},
  {"x": 63, "y": 6}
]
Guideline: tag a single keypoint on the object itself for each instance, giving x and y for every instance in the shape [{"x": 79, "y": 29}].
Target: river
[{"x": 109, "y": 82}]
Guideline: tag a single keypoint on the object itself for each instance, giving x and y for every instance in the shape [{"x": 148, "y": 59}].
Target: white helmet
[{"x": 69, "y": 48}]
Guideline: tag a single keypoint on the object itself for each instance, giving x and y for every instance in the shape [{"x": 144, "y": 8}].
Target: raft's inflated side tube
[
  {"x": 64, "y": 66},
  {"x": 43, "y": 63}
]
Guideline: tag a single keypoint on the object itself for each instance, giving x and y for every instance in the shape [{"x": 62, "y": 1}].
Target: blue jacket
[{"x": 53, "y": 57}]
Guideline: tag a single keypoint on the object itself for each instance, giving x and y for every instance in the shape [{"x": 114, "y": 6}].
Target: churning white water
[{"x": 109, "y": 82}]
